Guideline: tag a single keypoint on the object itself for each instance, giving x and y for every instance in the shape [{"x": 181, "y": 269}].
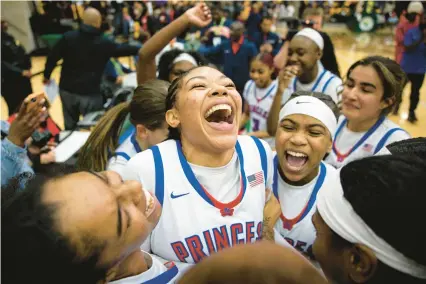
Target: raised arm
[{"x": 198, "y": 16}]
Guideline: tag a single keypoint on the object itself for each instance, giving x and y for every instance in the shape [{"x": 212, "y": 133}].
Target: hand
[
  {"x": 27, "y": 73},
  {"x": 286, "y": 75},
  {"x": 272, "y": 207},
  {"x": 199, "y": 16},
  {"x": 26, "y": 122},
  {"x": 48, "y": 158},
  {"x": 266, "y": 47}
]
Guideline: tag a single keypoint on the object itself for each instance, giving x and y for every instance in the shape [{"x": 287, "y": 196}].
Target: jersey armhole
[
  {"x": 263, "y": 157},
  {"x": 385, "y": 138}
]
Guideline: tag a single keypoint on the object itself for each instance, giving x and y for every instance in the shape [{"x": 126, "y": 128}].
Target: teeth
[
  {"x": 296, "y": 154},
  {"x": 218, "y": 107}
]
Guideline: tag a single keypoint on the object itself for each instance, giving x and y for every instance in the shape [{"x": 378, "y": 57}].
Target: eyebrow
[
  {"x": 309, "y": 125},
  {"x": 365, "y": 84},
  {"x": 202, "y": 77}
]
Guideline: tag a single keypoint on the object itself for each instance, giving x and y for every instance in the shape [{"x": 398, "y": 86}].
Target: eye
[
  {"x": 349, "y": 84},
  {"x": 198, "y": 86},
  {"x": 300, "y": 53},
  {"x": 366, "y": 90},
  {"x": 230, "y": 85},
  {"x": 315, "y": 133},
  {"x": 288, "y": 127}
]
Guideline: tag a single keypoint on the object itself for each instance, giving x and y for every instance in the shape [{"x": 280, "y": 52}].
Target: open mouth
[
  {"x": 296, "y": 160},
  {"x": 220, "y": 114}
]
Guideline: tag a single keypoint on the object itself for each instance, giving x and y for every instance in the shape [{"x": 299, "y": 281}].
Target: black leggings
[{"x": 416, "y": 83}]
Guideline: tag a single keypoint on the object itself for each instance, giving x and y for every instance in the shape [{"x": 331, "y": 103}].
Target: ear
[
  {"x": 329, "y": 145},
  {"x": 319, "y": 53},
  {"x": 362, "y": 263},
  {"x": 141, "y": 131},
  {"x": 172, "y": 118},
  {"x": 387, "y": 102}
]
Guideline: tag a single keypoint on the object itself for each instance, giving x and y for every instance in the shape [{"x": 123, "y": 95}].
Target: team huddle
[{"x": 304, "y": 162}]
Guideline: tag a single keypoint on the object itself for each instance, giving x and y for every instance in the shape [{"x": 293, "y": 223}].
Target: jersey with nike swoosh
[{"x": 190, "y": 227}]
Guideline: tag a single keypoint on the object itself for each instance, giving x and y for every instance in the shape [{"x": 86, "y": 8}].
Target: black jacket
[
  {"x": 14, "y": 59},
  {"x": 85, "y": 53}
]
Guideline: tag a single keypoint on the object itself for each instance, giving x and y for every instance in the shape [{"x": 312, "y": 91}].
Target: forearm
[
  {"x": 274, "y": 113},
  {"x": 280, "y": 59}
]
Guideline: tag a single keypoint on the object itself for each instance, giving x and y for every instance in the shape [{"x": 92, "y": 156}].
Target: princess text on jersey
[{"x": 215, "y": 239}]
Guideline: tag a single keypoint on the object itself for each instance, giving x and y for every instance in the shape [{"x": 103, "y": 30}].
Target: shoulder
[
  {"x": 248, "y": 85},
  {"x": 397, "y": 132}
]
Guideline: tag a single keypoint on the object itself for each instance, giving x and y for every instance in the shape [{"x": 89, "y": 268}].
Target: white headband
[
  {"x": 313, "y": 107},
  {"x": 339, "y": 215},
  {"x": 312, "y": 35},
  {"x": 185, "y": 57}
]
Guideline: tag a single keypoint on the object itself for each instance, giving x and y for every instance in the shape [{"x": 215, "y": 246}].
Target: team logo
[{"x": 227, "y": 211}]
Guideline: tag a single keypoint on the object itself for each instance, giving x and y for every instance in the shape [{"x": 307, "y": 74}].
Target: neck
[
  {"x": 309, "y": 76},
  {"x": 307, "y": 179},
  {"x": 201, "y": 157},
  {"x": 134, "y": 264},
  {"x": 142, "y": 143},
  {"x": 361, "y": 126}
]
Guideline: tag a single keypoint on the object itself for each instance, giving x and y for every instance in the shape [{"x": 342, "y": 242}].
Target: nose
[
  {"x": 349, "y": 94},
  {"x": 130, "y": 192},
  {"x": 298, "y": 139},
  {"x": 219, "y": 91},
  {"x": 293, "y": 57}
]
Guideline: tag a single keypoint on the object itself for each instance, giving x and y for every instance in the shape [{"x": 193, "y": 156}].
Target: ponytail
[{"x": 103, "y": 141}]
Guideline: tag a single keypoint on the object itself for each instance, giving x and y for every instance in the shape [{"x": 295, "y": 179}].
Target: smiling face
[
  {"x": 362, "y": 96},
  {"x": 101, "y": 207},
  {"x": 260, "y": 73},
  {"x": 207, "y": 110},
  {"x": 304, "y": 53},
  {"x": 301, "y": 142}
]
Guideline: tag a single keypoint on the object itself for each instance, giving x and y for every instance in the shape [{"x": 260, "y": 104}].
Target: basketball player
[
  {"x": 372, "y": 88},
  {"x": 304, "y": 72},
  {"x": 307, "y": 124},
  {"x": 357, "y": 239},
  {"x": 146, "y": 112},
  {"x": 263, "y": 262},
  {"x": 210, "y": 181},
  {"x": 259, "y": 93},
  {"x": 80, "y": 228}
]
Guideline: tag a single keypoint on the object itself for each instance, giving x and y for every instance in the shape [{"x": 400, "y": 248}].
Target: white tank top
[
  {"x": 298, "y": 204},
  {"x": 193, "y": 224},
  {"x": 349, "y": 146},
  {"x": 123, "y": 154}
]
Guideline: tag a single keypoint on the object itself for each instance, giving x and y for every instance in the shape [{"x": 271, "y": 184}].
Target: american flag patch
[
  {"x": 255, "y": 179},
  {"x": 367, "y": 147}
]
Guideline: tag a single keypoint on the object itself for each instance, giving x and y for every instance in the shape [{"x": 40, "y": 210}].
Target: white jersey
[
  {"x": 123, "y": 154},
  {"x": 194, "y": 224},
  {"x": 325, "y": 82},
  {"x": 260, "y": 102},
  {"x": 298, "y": 204},
  {"x": 349, "y": 146},
  {"x": 158, "y": 272}
]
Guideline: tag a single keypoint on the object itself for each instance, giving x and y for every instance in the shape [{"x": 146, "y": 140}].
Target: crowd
[{"x": 242, "y": 156}]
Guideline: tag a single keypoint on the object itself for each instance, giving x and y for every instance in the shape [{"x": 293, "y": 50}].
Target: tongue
[{"x": 296, "y": 161}]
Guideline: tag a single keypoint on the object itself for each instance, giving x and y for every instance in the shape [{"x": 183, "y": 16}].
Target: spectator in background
[
  {"x": 265, "y": 40},
  {"x": 85, "y": 53},
  {"x": 254, "y": 19},
  {"x": 414, "y": 64},
  {"x": 15, "y": 70},
  {"x": 215, "y": 32},
  {"x": 238, "y": 53},
  {"x": 407, "y": 21},
  {"x": 113, "y": 75}
]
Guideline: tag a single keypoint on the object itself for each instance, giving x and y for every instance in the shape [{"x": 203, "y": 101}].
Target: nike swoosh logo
[
  {"x": 297, "y": 103},
  {"x": 177, "y": 196}
]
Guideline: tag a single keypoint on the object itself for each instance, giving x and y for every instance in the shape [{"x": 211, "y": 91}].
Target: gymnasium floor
[{"x": 349, "y": 48}]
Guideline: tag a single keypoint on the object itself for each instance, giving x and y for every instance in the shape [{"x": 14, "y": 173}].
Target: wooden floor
[{"x": 349, "y": 48}]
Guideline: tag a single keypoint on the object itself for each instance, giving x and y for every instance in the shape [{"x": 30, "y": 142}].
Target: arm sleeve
[
  {"x": 13, "y": 161},
  {"x": 409, "y": 38},
  {"x": 55, "y": 55},
  {"x": 207, "y": 50},
  {"x": 120, "y": 50}
]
